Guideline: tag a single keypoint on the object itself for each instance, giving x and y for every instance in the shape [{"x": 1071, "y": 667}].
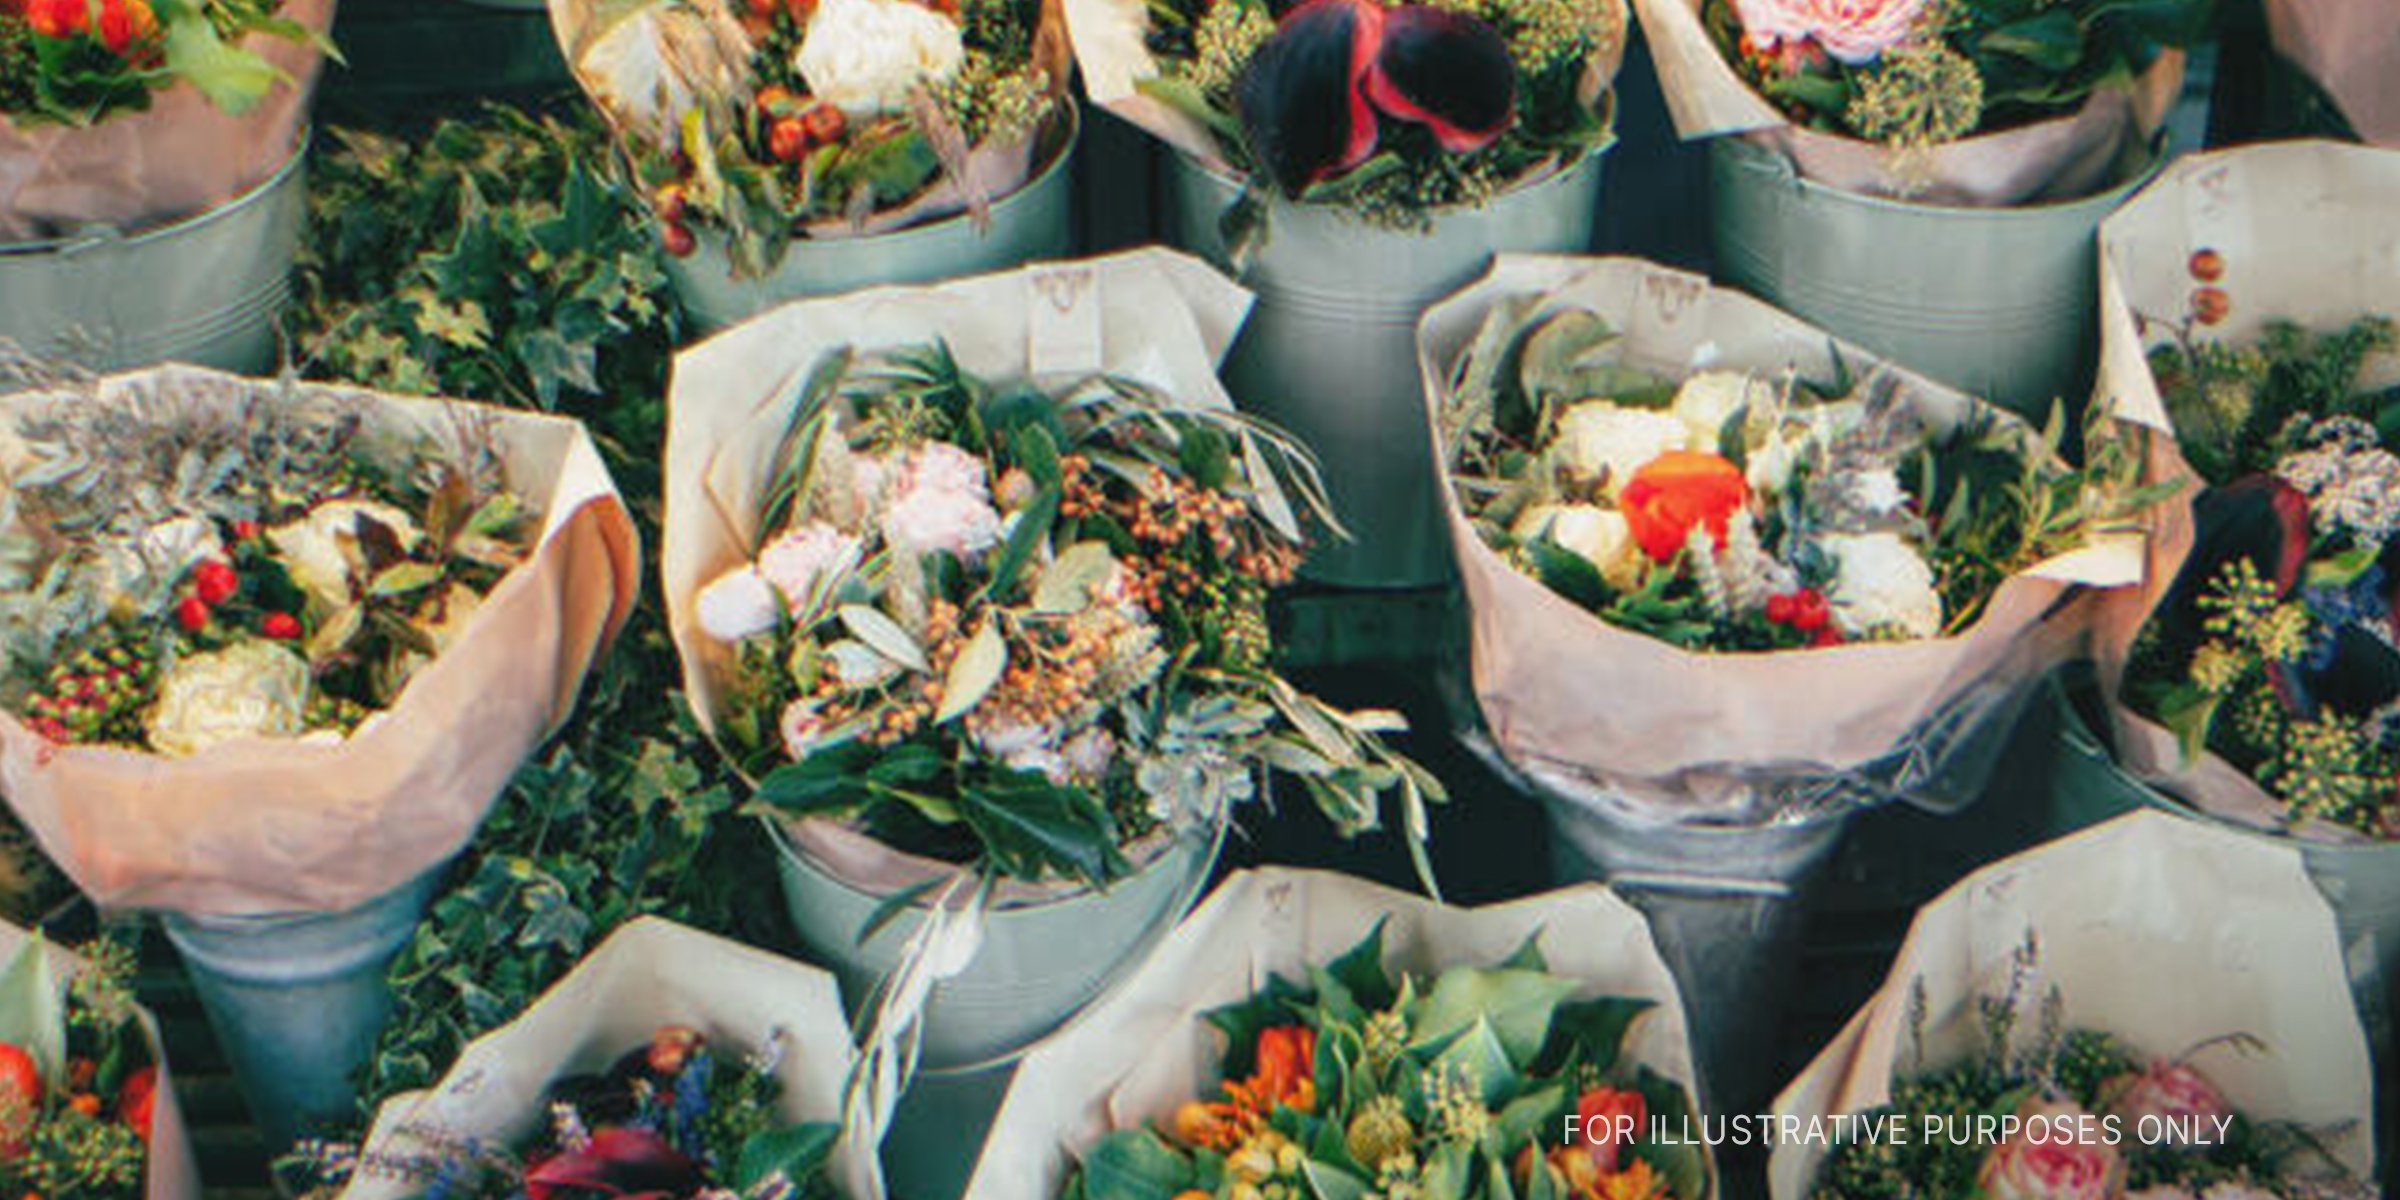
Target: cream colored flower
[
  {"x": 866, "y": 56},
  {"x": 1709, "y": 399},
  {"x": 249, "y": 689},
  {"x": 320, "y": 551},
  {"x": 1881, "y": 584},
  {"x": 806, "y": 556},
  {"x": 737, "y": 604},
  {"x": 1597, "y": 438},
  {"x": 1599, "y": 535},
  {"x": 939, "y": 501}
]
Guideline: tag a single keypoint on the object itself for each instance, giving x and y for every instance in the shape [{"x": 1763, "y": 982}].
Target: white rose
[
  {"x": 737, "y": 604},
  {"x": 1709, "y": 399},
  {"x": 249, "y": 689},
  {"x": 866, "y": 56},
  {"x": 1597, "y": 437},
  {"x": 1881, "y": 582},
  {"x": 317, "y": 550},
  {"x": 801, "y": 560},
  {"x": 1599, "y": 535}
]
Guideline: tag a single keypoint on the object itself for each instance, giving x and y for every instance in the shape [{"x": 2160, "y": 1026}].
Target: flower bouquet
[
  {"x": 669, "y": 1063},
  {"x": 85, "y": 1106},
  {"x": 136, "y": 112},
  {"x": 2019, "y": 1049},
  {"x": 2253, "y": 674},
  {"x": 1000, "y": 615},
  {"x": 1982, "y": 103},
  {"x": 786, "y": 120},
  {"x": 321, "y": 619},
  {"x": 1311, "y": 1034},
  {"x": 1680, "y": 489}
]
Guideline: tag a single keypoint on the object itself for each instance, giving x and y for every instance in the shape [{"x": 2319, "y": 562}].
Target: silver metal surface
[
  {"x": 298, "y": 1001},
  {"x": 1330, "y": 349},
  {"x": 1040, "y": 963},
  {"x": 207, "y": 289},
  {"x": 1999, "y": 302},
  {"x": 1027, "y": 224}
]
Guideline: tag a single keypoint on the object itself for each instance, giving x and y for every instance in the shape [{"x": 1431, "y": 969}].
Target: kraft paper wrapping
[
  {"x": 1111, "y": 50},
  {"x": 2059, "y": 159},
  {"x": 274, "y": 826},
  {"x": 1142, "y": 1052},
  {"x": 699, "y": 57},
  {"x": 1154, "y": 315},
  {"x": 650, "y": 972},
  {"x": 2348, "y": 47},
  {"x": 2310, "y": 232},
  {"x": 171, "y": 1173},
  {"x": 2156, "y": 929},
  {"x": 1698, "y": 732},
  {"x": 179, "y": 157}
]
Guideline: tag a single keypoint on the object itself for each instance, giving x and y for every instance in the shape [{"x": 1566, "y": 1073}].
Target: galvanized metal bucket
[
  {"x": 1999, "y": 302},
  {"x": 1727, "y": 905},
  {"x": 930, "y": 1151},
  {"x": 1040, "y": 964},
  {"x": 2360, "y": 881},
  {"x": 1330, "y": 349},
  {"x": 298, "y": 1001},
  {"x": 207, "y": 289},
  {"x": 1030, "y": 223}
]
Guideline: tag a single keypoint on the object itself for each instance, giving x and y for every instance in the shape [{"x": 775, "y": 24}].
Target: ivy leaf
[{"x": 974, "y": 672}]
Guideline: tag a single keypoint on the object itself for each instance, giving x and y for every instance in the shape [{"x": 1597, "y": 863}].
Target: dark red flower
[
  {"x": 614, "y": 1162},
  {"x": 1447, "y": 71},
  {"x": 1302, "y": 99}
]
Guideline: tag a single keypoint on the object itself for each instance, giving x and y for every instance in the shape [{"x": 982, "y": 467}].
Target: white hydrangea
[
  {"x": 1597, "y": 437},
  {"x": 866, "y": 56},
  {"x": 1709, "y": 399},
  {"x": 1881, "y": 584},
  {"x": 1599, "y": 535}
]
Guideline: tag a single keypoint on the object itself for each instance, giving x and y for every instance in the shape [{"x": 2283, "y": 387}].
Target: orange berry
[
  {"x": 677, "y": 238},
  {"x": 824, "y": 123},
  {"x": 85, "y": 1103},
  {"x": 787, "y": 139},
  {"x": 2207, "y": 266},
  {"x": 2210, "y": 304}
]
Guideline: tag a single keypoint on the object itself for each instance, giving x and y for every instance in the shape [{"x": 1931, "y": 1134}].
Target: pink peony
[
  {"x": 2180, "y": 1096},
  {"x": 1854, "y": 31},
  {"x": 804, "y": 558},
  {"x": 2047, "y": 1162},
  {"x": 939, "y": 501}
]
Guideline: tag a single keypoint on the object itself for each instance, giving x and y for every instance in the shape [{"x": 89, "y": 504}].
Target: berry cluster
[
  {"x": 96, "y": 696},
  {"x": 1806, "y": 611}
]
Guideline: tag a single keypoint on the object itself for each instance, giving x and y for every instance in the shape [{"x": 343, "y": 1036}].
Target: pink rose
[
  {"x": 2058, "y": 1156},
  {"x": 1854, "y": 31},
  {"x": 2180, "y": 1097},
  {"x": 939, "y": 501},
  {"x": 804, "y": 558}
]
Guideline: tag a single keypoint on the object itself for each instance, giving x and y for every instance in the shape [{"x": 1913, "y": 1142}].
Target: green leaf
[
  {"x": 232, "y": 78},
  {"x": 1033, "y": 529},
  {"x": 974, "y": 672},
  {"x": 1031, "y": 828},
  {"x": 798, "y": 1153},
  {"x": 1529, "y": 1116},
  {"x": 1478, "y": 1053},
  {"x": 1135, "y": 1164},
  {"x": 1681, "y": 1164},
  {"x": 1327, "y": 1182},
  {"x": 1567, "y": 573},
  {"x": 403, "y": 578},
  {"x": 1589, "y": 1032},
  {"x": 1065, "y": 585},
  {"x": 1278, "y": 1003},
  {"x": 1206, "y": 456},
  {"x": 33, "y": 1006},
  {"x": 1516, "y": 1004},
  {"x": 869, "y": 624},
  {"x": 1360, "y": 969},
  {"x": 2050, "y": 39}
]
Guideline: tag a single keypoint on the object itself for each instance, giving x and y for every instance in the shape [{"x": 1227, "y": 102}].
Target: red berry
[
  {"x": 1809, "y": 610},
  {"x": 669, "y": 202},
  {"x": 1779, "y": 608},
  {"x": 775, "y": 100},
  {"x": 787, "y": 138},
  {"x": 2210, "y": 304},
  {"x": 214, "y": 581},
  {"x": 136, "y": 1100},
  {"x": 1826, "y": 636},
  {"x": 678, "y": 239},
  {"x": 245, "y": 529},
  {"x": 2207, "y": 266},
  {"x": 58, "y": 18},
  {"x": 824, "y": 123},
  {"x": 191, "y": 613},
  {"x": 20, "y": 1099},
  {"x": 281, "y": 626}
]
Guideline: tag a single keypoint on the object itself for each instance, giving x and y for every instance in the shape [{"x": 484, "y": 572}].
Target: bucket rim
[
  {"x": 2080, "y": 738},
  {"x": 428, "y": 883},
  {"x": 2106, "y": 199},
  {"x": 1566, "y": 173},
  {"x": 786, "y": 849},
  {"x": 283, "y": 175},
  {"x": 1020, "y": 196}
]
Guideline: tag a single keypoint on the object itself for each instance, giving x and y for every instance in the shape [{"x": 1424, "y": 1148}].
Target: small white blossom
[
  {"x": 804, "y": 559},
  {"x": 1881, "y": 583},
  {"x": 1598, "y": 535}
]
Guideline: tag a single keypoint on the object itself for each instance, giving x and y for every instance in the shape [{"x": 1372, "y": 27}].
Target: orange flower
[
  {"x": 1677, "y": 491},
  {"x": 1636, "y": 1182},
  {"x": 1286, "y": 1073},
  {"x": 1604, "y": 1114}
]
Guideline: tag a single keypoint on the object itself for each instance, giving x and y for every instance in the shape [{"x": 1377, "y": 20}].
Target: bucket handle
[{"x": 1687, "y": 883}]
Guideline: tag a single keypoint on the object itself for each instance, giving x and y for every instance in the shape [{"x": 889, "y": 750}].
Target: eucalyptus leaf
[
  {"x": 1065, "y": 585},
  {"x": 974, "y": 672},
  {"x": 869, "y": 624}
]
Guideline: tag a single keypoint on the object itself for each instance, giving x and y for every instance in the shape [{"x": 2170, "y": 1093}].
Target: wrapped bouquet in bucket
[
  {"x": 122, "y": 124},
  {"x": 668, "y": 1063},
  {"x": 809, "y": 147},
  {"x": 86, "y": 1108},
  {"x": 272, "y": 651},
  {"x": 970, "y": 579},
  {"x": 1855, "y": 143},
  {"x": 2253, "y": 675},
  {"x": 1813, "y": 583},
  {"x": 1353, "y": 161},
  {"x": 2021, "y": 1049},
  {"x": 1308, "y": 1034}
]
